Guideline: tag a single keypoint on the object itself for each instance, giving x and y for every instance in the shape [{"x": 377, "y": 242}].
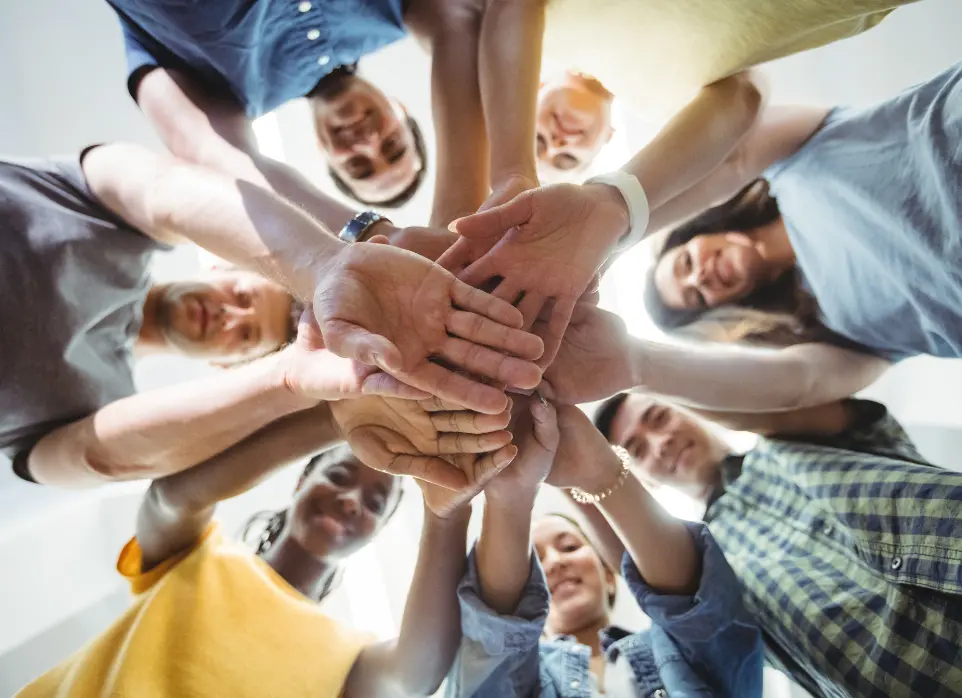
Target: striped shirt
[{"x": 849, "y": 550}]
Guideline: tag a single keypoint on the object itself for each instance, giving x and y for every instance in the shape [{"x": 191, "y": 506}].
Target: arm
[
  {"x": 215, "y": 132},
  {"x": 830, "y": 419},
  {"x": 177, "y": 508},
  {"x": 416, "y": 662}
]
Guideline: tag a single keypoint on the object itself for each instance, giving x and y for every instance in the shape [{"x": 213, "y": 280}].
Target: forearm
[
  {"x": 696, "y": 140},
  {"x": 511, "y": 39},
  {"x": 647, "y": 531},
  {"x": 504, "y": 550},
  {"x": 741, "y": 379},
  {"x": 431, "y": 627},
  {"x": 156, "y": 433}
]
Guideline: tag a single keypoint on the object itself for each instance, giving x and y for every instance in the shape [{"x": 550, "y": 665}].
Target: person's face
[
  {"x": 227, "y": 315},
  {"x": 339, "y": 507},
  {"x": 668, "y": 445},
  {"x": 573, "y": 123},
  {"x": 367, "y": 140},
  {"x": 709, "y": 270},
  {"x": 579, "y": 583}
]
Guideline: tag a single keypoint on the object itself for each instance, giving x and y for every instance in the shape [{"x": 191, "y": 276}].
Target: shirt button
[
  {"x": 323, "y": 60},
  {"x": 313, "y": 35},
  {"x": 896, "y": 563},
  {"x": 660, "y": 693},
  {"x": 304, "y": 6},
  {"x": 828, "y": 530},
  {"x": 576, "y": 684}
]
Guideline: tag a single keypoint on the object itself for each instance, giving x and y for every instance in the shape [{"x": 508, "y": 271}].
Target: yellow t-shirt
[
  {"x": 655, "y": 54},
  {"x": 213, "y": 622}
]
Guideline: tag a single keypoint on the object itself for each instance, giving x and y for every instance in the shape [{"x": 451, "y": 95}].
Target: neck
[
  {"x": 774, "y": 246},
  {"x": 150, "y": 339},
  {"x": 589, "y": 635},
  {"x": 300, "y": 569}
]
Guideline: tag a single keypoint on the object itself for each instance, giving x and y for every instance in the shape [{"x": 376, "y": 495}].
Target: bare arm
[
  {"x": 215, "y": 132},
  {"x": 173, "y": 201},
  {"x": 775, "y": 135},
  {"x": 177, "y": 508},
  {"x": 829, "y": 419},
  {"x": 417, "y": 661},
  {"x": 163, "y": 431},
  {"x": 740, "y": 379}
]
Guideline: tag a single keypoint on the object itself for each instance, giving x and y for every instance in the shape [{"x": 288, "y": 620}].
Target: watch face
[{"x": 357, "y": 226}]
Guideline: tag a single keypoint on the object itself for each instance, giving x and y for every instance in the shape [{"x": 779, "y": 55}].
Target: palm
[
  {"x": 594, "y": 360},
  {"x": 546, "y": 244},
  {"x": 391, "y": 308}
]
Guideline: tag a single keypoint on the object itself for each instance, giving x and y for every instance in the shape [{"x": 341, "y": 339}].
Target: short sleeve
[{"x": 130, "y": 562}]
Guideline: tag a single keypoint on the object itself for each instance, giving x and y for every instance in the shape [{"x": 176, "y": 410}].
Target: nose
[
  {"x": 231, "y": 316},
  {"x": 551, "y": 561},
  {"x": 663, "y": 445},
  {"x": 350, "y": 506}
]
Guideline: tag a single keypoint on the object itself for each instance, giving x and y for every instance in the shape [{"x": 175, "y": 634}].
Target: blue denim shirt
[
  {"x": 264, "y": 52},
  {"x": 701, "y": 645}
]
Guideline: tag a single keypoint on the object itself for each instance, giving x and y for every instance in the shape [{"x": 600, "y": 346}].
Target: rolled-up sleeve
[
  {"x": 711, "y": 628},
  {"x": 499, "y": 654}
]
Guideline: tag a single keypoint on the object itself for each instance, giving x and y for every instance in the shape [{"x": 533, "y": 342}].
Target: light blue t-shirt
[{"x": 873, "y": 208}]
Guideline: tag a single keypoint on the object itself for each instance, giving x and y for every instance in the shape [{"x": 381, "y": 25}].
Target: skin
[
  {"x": 579, "y": 582},
  {"x": 366, "y": 139},
  {"x": 713, "y": 269},
  {"x": 228, "y": 315},
  {"x": 669, "y": 446},
  {"x": 573, "y": 123}
]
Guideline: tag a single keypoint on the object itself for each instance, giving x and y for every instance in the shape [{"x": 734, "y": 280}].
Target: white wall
[{"x": 62, "y": 87}]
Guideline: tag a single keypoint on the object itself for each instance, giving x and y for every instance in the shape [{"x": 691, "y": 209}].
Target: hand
[
  {"x": 594, "y": 361},
  {"x": 584, "y": 457},
  {"x": 546, "y": 244},
  {"x": 537, "y": 437},
  {"x": 312, "y": 371},
  {"x": 504, "y": 191},
  {"x": 452, "y": 452},
  {"x": 430, "y": 243},
  {"x": 393, "y": 309}
]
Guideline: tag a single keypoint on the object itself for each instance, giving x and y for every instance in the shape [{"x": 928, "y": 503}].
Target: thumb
[
  {"x": 496, "y": 221},
  {"x": 354, "y": 342},
  {"x": 545, "y": 424}
]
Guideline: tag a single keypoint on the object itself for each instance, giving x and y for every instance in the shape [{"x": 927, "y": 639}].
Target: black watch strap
[{"x": 358, "y": 228}]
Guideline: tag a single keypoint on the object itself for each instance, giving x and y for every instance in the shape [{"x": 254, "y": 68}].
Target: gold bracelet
[{"x": 582, "y": 497}]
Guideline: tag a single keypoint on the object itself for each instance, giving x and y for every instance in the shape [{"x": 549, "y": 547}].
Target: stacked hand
[{"x": 545, "y": 245}]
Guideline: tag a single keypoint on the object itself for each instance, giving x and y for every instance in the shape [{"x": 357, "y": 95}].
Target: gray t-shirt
[
  {"x": 73, "y": 279},
  {"x": 873, "y": 207}
]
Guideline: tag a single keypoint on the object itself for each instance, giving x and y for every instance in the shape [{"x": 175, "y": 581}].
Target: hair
[
  {"x": 780, "y": 313},
  {"x": 297, "y": 309},
  {"x": 274, "y": 521},
  {"x": 612, "y": 597},
  {"x": 605, "y": 414},
  {"x": 408, "y": 193}
]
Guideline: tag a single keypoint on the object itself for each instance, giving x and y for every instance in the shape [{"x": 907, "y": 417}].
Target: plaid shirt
[{"x": 850, "y": 553}]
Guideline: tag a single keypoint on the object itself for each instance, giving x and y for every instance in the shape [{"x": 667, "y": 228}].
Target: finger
[
  {"x": 471, "y": 299},
  {"x": 354, "y": 342},
  {"x": 373, "y": 447},
  {"x": 545, "y": 419},
  {"x": 456, "y": 256},
  {"x": 436, "y": 404},
  {"x": 509, "y": 291},
  {"x": 552, "y": 331},
  {"x": 473, "y": 443},
  {"x": 530, "y": 307},
  {"x": 386, "y": 385},
  {"x": 490, "y": 363},
  {"x": 468, "y": 422},
  {"x": 453, "y": 387},
  {"x": 486, "y": 467},
  {"x": 497, "y": 220},
  {"x": 480, "y": 330}
]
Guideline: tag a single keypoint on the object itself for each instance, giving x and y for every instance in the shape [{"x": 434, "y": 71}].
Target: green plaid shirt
[{"x": 850, "y": 554}]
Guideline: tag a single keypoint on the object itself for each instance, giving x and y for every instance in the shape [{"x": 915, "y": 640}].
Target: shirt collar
[{"x": 729, "y": 470}]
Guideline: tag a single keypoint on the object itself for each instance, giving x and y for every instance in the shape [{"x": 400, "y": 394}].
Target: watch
[
  {"x": 634, "y": 195},
  {"x": 359, "y": 227}
]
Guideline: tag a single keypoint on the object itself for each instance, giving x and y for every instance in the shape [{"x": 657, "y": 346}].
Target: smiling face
[
  {"x": 580, "y": 585},
  {"x": 573, "y": 123},
  {"x": 227, "y": 315},
  {"x": 709, "y": 270},
  {"x": 340, "y": 505},
  {"x": 668, "y": 445},
  {"x": 367, "y": 140}
]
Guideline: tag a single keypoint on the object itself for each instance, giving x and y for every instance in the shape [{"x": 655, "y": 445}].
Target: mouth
[
  {"x": 681, "y": 458},
  {"x": 565, "y": 588}
]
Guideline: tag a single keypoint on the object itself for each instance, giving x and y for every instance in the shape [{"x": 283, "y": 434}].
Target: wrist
[
  {"x": 455, "y": 520},
  {"x": 279, "y": 377},
  {"x": 609, "y": 197},
  {"x": 604, "y": 474},
  {"x": 510, "y": 499}
]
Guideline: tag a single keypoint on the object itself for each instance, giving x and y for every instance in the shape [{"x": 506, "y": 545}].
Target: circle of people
[{"x": 456, "y": 353}]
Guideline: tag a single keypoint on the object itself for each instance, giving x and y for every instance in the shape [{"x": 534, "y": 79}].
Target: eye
[
  {"x": 243, "y": 298},
  {"x": 541, "y": 144},
  {"x": 375, "y": 503},
  {"x": 339, "y": 475},
  {"x": 686, "y": 262},
  {"x": 359, "y": 167},
  {"x": 660, "y": 417},
  {"x": 565, "y": 161},
  {"x": 246, "y": 333}
]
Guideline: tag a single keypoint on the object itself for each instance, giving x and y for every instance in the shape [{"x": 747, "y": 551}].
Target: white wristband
[{"x": 634, "y": 195}]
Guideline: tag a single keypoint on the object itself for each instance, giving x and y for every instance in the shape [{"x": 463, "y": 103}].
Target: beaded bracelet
[{"x": 582, "y": 497}]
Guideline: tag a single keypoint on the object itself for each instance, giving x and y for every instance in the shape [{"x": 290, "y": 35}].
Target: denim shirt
[
  {"x": 263, "y": 52},
  {"x": 701, "y": 645}
]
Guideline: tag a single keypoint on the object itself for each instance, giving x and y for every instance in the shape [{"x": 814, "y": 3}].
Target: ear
[{"x": 611, "y": 134}]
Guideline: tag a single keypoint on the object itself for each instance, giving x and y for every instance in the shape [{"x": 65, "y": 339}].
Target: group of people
[{"x": 457, "y": 353}]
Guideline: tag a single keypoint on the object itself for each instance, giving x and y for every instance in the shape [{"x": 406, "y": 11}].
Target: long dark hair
[
  {"x": 264, "y": 527},
  {"x": 780, "y": 313}
]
